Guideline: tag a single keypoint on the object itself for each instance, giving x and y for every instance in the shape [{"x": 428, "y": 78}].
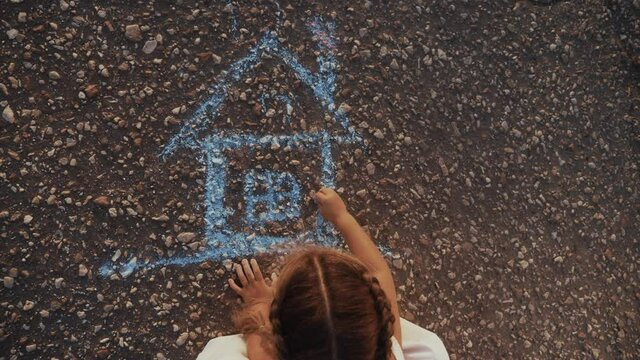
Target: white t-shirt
[{"x": 417, "y": 344}]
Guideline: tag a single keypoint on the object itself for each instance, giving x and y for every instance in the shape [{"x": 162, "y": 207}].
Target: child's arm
[
  {"x": 333, "y": 209},
  {"x": 258, "y": 348},
  {"x": 253, "y": 321}
]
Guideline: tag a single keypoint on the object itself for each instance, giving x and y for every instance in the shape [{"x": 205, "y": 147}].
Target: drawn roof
[{"x": 322, "y": 84}]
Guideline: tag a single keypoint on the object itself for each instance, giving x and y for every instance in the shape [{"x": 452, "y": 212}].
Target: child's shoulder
[{"x": 232, "y": 347}]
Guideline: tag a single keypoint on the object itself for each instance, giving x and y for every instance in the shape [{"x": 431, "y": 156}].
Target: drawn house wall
[{"x": 281, "y": 200}]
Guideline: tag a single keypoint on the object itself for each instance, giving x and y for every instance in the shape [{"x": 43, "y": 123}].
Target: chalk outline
[
  {"x": 323, "y": 86},
  {"x": 281, "y": 197}
]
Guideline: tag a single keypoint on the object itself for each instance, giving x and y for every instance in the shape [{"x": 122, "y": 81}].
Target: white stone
[
  {"x": 8, "y": 115},
  {"x": 182, "y": 339},
  {"x": 54, "y": 75},
  {"x": 149, "y": 46},
  {"x": 12, "y": 33},
  {"x": 82, "y": 270}
]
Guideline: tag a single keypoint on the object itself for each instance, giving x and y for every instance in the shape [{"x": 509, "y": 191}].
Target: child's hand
[
  {"x": 254, "y": 289},
  {"x": 331, "y": 205}
]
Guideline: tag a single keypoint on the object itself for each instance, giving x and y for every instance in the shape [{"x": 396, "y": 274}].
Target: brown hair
[{"x": 328, "y": 305}]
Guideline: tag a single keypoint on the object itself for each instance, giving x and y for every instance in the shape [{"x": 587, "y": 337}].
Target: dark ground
[{"x": 503, "y": 172}]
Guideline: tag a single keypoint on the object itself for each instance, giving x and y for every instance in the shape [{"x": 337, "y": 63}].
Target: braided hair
[
  {"x": 328, "y": 305},
  {"x": 383, "y": 310},
  {"x": 276, "y": 328}
]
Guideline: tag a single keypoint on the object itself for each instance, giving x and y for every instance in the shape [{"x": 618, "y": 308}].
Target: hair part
[{"x": 328, "y": 305}]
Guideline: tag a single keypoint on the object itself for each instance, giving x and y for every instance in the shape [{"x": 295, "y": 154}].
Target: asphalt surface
[{"x": 499, "y": 167}]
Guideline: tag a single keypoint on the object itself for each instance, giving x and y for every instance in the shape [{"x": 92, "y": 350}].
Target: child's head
[{"x": 329, "y": 306}]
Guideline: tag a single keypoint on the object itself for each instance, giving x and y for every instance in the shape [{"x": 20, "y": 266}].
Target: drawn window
[{"x": 270, "y": 196}]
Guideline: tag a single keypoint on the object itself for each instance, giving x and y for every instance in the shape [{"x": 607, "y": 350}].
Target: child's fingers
[
  {"x": 256, "y": 270},
  {"x": 234, "y": 286},
  {"x": 320, "y": 197},
  {"x": 247, "y": 270},
  {"x": 241, "y": 276}
]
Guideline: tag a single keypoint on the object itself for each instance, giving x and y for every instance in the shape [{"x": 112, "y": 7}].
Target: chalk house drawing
[{"x": 281, "y": 201}]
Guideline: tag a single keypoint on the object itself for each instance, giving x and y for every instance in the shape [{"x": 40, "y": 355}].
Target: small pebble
[
  {"x": 371, "y": 169},
  {"x": 182, "y": 339},
  {"x": 149, "y": 46},
  {"x": 133, "y": 32},
  {"x": 186, "y": 237},
  {"x": 8, "y": 282},
  {"x": 12, "y": 33},
  {"x": 82, "y": 270},
  {"x": 54, "y": 75},
  {"x": 8, "y": 115}
]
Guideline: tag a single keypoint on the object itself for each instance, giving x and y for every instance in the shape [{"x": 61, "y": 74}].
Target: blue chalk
[{"x": 281, "y": 198}]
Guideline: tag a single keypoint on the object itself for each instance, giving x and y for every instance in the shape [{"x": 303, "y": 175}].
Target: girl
[{"x": 325, "y": 305}]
